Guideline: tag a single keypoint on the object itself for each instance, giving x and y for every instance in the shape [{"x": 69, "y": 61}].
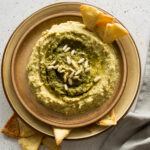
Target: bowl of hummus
[{"x": 64, "y": 74}]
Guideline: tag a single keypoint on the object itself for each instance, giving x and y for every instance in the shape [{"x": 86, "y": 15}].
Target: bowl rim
[{"x": 71, "y": 3}]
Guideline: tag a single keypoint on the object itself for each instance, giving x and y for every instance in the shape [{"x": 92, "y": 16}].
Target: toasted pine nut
[
  {"x": 78, "y": 72},
  {"x": 81, "y": 60},
  {"x": 66, "y": 87},
  {"x": 70, "y": 81},
  {"x": 97, "y": 79}
]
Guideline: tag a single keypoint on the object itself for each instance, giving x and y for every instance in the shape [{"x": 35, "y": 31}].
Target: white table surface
[{"x": 134, "y": 14}]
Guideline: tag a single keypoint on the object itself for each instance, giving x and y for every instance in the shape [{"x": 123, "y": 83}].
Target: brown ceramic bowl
[{"x": 20, "y": 58}]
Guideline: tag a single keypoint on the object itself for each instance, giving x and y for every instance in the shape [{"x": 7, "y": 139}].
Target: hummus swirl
[{"x": 71, "y": 70}]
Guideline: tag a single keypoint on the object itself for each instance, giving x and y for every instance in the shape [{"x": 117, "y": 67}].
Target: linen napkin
[{"x": 133, "y": 132}]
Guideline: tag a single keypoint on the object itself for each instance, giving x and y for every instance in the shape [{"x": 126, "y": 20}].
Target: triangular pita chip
[
  {"x": 114, "y": 31},
  {"x": 31, "y": 143},
  {"x": 11, "y": 128},
  {"x": 50, "y": 143},
  {"x": 108, "y": 120},
  {"x": 102, "y": 22},
  {"x": 104, "y": 19},
  {"x": 90, "y": 16},
  {"x": 60, "y": 134},
  {"x": 100, "y": 30},
  {"x": 25, "y": 130}
]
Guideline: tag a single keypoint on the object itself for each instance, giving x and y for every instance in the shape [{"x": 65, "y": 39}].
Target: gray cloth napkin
[{"x": 133, "y": 132}]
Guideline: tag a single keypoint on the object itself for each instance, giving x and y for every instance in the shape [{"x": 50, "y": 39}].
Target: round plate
[
  {"x": 126, "y": 100},
  {"x": 20, "y": 59}
]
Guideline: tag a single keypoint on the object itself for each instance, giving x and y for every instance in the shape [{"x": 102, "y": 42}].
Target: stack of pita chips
[
  {"x": 30, "y": 139},
  {"x": 102, "y": 24}
]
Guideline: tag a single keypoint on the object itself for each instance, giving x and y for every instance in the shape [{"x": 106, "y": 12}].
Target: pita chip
[
  {"x": 101, "y": 24},
  {"x": 60, "y": 134},
  {"x": 113, "y": 31},
  {"x": 25, "y": 130},
  {"x": 11, "y": 128},
  {"x": 104, "y": 19},
  {"x": 108, "y": 120},
  {"x": 90, "y": 16},
  {"x": 50, "y": 143},
  {"x": 31, "y": 143},
  {"x": 100, "y": 30}
]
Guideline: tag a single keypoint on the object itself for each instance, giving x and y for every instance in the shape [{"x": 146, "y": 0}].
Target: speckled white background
[{"x": 134, "y": 14}]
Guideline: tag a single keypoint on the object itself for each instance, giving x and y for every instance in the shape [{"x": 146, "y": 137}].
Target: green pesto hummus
[{"x": 71, "y": 70}]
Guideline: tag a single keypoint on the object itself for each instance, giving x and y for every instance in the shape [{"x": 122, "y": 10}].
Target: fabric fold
[{"x": 133, "y": 132}]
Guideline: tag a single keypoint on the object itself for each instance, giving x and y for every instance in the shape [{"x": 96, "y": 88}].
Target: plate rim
[{"x": 4, "y": 52}]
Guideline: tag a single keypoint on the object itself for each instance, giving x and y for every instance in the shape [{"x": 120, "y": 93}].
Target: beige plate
[
  {"x": 20, "y": 59},
  {"x": 126, "y": 100}
]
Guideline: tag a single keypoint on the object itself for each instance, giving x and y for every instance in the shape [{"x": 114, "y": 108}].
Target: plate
[
  {"x": 126, "y": 99},
  {"x": 20, "y": 58}
]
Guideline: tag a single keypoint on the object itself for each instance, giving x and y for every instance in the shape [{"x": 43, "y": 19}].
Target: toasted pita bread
[
  {"x": 100, "y": 30},
  {"x": 60, "y": 134},
  {"x": 104, "y": 19},
  {"x": 31, "y": 143},
  {"x": 108, "y": 120},
  {"x": 114, "y": 31},
  {"x": 101, "y": 24},
  {"x": 11, "y": 128},
  {"x": 25, "y": 130},
  {"x": 50, "y": 143},
  {"x": 90, "y": 16}
]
